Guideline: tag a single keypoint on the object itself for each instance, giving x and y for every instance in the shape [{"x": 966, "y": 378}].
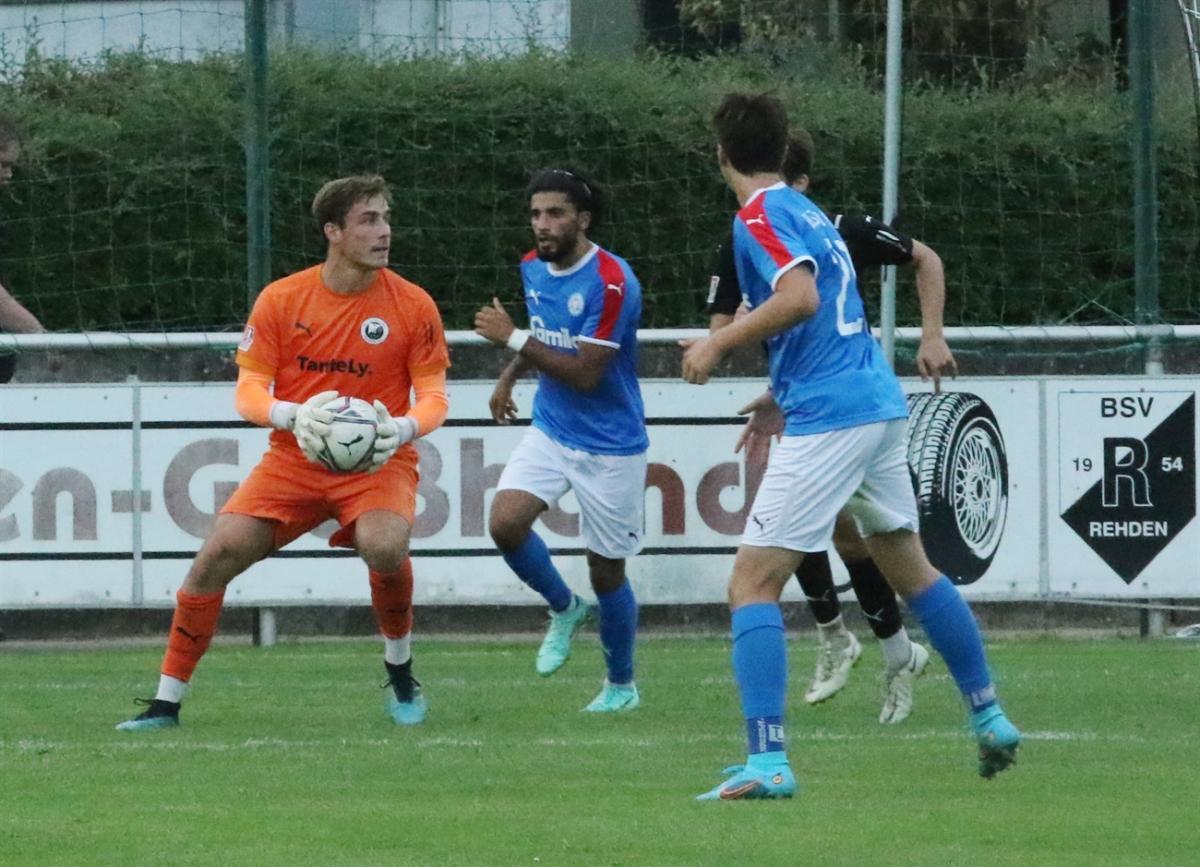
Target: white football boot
[
  {"x": 898, "y": 687},
  {"x": 834, "y": 661}
]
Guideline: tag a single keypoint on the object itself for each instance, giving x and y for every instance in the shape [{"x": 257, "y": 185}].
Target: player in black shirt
[
  {"x": 871, "y": 244},
  {"x": 14, "y": 318}
]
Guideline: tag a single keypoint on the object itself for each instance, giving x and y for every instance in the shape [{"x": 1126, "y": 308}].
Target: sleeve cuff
[
  {"x": 799, "y": 260},
  {"x": 599, "y": 342}
]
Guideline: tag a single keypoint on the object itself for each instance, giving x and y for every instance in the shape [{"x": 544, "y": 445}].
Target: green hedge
[{"x": 129, "y": 212}]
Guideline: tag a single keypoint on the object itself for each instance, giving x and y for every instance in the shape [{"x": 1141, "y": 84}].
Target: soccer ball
[{"x": 348, "y": 446}]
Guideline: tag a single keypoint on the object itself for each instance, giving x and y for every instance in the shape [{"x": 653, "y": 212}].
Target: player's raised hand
[
  {"x": 935, "y": 360},
  {"x": 390, "y": 434},
  {"x": 503, "y": 407},
  {"x": 700, "y": 356},
  {"x": 494, "y": 323},
  {"x": 312, "y": 423}
]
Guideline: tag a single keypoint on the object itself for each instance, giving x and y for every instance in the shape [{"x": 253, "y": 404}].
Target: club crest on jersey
[
  {"x": 374, "y": 331},
  {"x": 575, "y": 304},
  {"x": 247, "y": 339}
]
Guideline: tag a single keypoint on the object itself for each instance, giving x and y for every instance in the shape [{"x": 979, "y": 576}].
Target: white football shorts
[
  {"x": 810, "y": 478},
  {"x": 611, "y": 490}
]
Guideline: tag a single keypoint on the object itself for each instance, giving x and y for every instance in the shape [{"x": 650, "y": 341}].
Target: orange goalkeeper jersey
[{"x": 370, "y": 345}]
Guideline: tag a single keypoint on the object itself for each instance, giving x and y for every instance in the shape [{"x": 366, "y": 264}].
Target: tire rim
[{"x": 978, "y": 495}]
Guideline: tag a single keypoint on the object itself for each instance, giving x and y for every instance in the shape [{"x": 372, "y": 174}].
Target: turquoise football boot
[
  {"x": 998, "y": 741},
  {"x": 406, "y": 703},
  {"x": 556, "y": 646},
  {"x": 754, "y": 784},
  {"x": 614, "y": 698},
  {"x": 157, "y": 715},
  {"x": 408, "y": 713}
]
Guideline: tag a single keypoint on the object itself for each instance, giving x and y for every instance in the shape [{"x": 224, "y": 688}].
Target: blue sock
[
  {"x": 953, "y": 632},
  {"x": 532, "y": 564},
  {"x": 760, "y": 668},
  {"x": 618, "y": 628}
]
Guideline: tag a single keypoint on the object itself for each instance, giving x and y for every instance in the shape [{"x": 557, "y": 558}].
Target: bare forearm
[
  {"x": 780, "y": 312},
  {"x": 718, "y": 321},
  {"x": 14, "y": 318},
  {"x": 581, "y": 370},
  {"x": 573, "y": 370},
  {"x": 931, "y": 289},
  {"x": 518, "y": 367}
]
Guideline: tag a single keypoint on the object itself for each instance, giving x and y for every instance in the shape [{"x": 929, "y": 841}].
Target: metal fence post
[
  {"x": 893, "y": 88},
  {"x": 265, "y": 629},
  {"x": 1043, "y": 491},
  {"x": 1145, "y": 172},
  {"x": 137, "y": 592},
  {"x": 1145, "y": 211},
  {"x": 258, "y": 187}
]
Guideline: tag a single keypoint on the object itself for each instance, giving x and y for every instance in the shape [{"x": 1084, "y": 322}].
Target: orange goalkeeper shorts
[{"x": 300, "y": 495}]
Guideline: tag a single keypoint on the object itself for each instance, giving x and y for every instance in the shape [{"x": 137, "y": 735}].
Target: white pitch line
[{"x": 129, "y": 743}]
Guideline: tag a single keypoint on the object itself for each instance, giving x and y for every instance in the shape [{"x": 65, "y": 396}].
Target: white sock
[
  {"x": 835, "y": 628},
  {"x": 397, "y": 651},
  {"x": 171, "y": 689},
  {"x": 897, "y": 650}
]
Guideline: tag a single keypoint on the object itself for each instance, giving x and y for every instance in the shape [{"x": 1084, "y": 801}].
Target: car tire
[{"x": 959, "y": 469}]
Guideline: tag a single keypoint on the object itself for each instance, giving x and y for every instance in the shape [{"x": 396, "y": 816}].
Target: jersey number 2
[{"x": 846, "y": 329}]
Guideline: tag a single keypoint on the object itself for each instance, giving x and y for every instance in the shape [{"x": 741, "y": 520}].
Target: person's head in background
[
  {"x": 798, "y": 160},
  {"x": 10, "y": 148}
]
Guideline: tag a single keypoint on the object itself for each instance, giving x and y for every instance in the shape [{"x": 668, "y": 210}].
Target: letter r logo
[{"x": 1125, "y": 461}]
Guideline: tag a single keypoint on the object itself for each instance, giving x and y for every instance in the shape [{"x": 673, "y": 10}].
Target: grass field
[{"x": 285, "y": 757}]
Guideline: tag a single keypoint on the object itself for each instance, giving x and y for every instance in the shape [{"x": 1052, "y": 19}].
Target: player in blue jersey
[
  {"x": 870, "y": 244},
  {"x": 589, "y": 430},
  {"x": 842, "y": 415}
]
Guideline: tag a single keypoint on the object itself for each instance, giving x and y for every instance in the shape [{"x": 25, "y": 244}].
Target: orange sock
[
  {"x": 192, "y": 629},
  {"x": 391, "y": 597}
]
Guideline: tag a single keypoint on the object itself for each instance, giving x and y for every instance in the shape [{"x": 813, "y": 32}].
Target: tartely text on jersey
[{"x": 333, "y": 365}]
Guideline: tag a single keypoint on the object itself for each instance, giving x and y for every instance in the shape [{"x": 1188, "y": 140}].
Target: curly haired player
[{"x": 589, "y": 429}]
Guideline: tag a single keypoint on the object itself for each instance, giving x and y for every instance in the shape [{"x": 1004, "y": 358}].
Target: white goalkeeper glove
[
  {"x": 312, "y": 424},
  {"x": 390, "y": 434}
]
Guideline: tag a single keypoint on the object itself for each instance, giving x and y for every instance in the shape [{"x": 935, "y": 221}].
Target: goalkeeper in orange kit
[{"x": 346, "y": 327}]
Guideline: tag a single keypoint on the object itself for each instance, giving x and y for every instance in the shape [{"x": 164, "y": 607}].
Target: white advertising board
[
  {"x": 72, "y": 458},
  {"x": 1122, "y": 477}
]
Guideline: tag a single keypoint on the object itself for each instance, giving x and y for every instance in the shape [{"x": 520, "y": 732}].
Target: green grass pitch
[{"x": 285, "y": 757}]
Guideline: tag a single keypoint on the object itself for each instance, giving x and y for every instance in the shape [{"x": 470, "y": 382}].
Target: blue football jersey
[
  {"x": 597, "y": 300},
  {"x": 827, "y": 372}
]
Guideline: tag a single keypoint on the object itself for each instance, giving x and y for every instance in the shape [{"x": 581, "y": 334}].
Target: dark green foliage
[
  {"x": 130, "y": 204},
  {"x": 949, "y": 41},
  {"x": 129, "y": 212}
]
